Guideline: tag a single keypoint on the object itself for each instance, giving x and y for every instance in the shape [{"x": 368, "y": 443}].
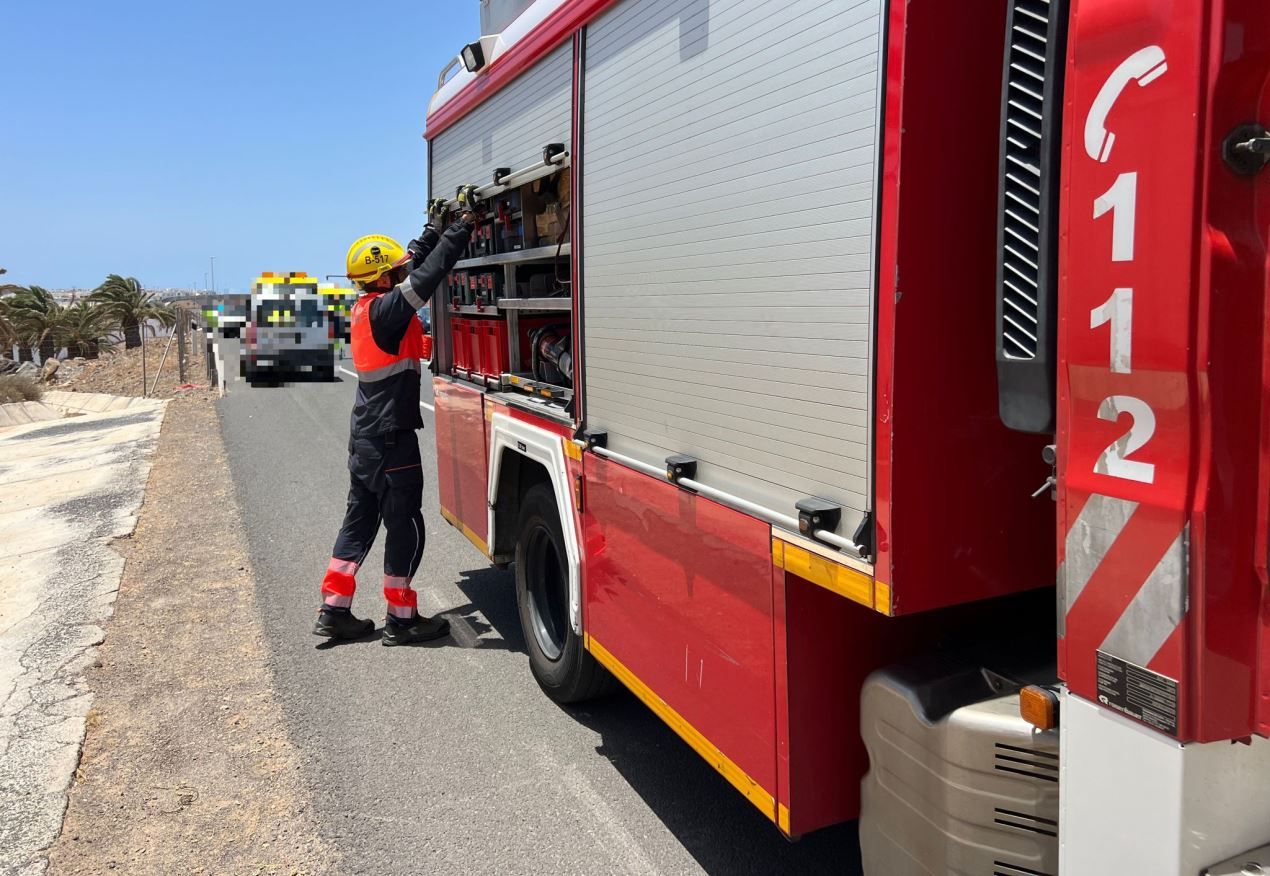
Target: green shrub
[{"x": 16, "y": 389}]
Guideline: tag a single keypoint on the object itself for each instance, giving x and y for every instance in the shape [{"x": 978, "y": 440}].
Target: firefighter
[{"x": 386, "y": 475}]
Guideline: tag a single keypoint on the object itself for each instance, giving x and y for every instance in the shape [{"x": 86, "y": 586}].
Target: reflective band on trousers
[{"x": 389, "y": 370}]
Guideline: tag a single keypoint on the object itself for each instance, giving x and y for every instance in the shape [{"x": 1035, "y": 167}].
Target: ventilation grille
[
  {"x": 1027, "y": 71},
  {"x": 1031, "y": 125},
  {"x": 1026, "y": 762},
  {"x": 1025, "y": 822},
  {"x": 1001, "y": 868}
]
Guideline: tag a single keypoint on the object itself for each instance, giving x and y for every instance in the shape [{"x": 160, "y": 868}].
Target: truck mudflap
[{"x": 958, "y": 781}]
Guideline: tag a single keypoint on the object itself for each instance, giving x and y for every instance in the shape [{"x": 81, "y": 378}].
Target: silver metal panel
[
  {"x": 508, "y": 130},
  {"x": 497, "y": 14},
  {"x": 729, "y": 183},
  {"x": 974, "y": 792}
]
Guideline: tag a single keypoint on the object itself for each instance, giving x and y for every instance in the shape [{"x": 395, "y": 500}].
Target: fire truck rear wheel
[{"x": 561, "y": 666}]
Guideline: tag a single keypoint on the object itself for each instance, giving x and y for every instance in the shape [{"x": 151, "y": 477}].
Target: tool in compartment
[
  {"x": 509, "y": 218},
  {"x": 551, "y": 356}
]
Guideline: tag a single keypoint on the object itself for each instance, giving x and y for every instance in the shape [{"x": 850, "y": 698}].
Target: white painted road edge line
[{"x": 354, "y": 374}]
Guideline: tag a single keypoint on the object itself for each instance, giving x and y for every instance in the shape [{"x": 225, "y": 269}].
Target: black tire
[{"x": 563, "y": 668}]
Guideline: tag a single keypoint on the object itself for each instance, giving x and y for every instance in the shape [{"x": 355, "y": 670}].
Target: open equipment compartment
[
  {"x": 507, "y": 308},
  {"x": 509, "y": 298}
]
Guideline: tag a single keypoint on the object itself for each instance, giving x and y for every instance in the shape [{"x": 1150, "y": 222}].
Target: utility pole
[
  {"x": 182, "y": 325},
  {"x": 213, "y": 259}
]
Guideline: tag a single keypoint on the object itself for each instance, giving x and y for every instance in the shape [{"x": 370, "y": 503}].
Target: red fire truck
[{"x": 810, "y": 352}]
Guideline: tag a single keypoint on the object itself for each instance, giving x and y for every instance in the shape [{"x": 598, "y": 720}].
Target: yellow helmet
[{"x": 372, "y": 256}]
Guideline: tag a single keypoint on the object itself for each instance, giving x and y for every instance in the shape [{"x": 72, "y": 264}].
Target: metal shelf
[
  {"x": 534, "y": 254},
  {"x": 471, "y": 310},
  {"x": 537, "y": 388},
  {"x": 565, "y": 304}
]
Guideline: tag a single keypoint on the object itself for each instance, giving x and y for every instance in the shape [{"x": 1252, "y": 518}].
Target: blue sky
[{"x": 141, "y": 137}]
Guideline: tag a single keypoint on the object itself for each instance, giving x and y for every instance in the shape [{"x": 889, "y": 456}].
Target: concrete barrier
[
  {"x": 21, "y": 413},
  {"x": 92, "y": 402}
]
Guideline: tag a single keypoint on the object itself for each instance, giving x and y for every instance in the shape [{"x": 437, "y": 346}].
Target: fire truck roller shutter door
[
  {"x": 738, "y": 331},
  {"x": 508, "y": 130}
]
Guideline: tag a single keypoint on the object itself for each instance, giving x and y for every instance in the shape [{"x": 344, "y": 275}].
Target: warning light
[{"x": 1039, "y": 707}]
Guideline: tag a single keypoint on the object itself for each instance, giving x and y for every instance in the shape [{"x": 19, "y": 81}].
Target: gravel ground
[
  {"x": 119, "y": 373},
  {"x": 187, "y": 766}
]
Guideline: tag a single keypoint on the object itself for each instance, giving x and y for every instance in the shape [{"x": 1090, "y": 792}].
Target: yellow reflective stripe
[
  {"x": 461, "y": 527},
  {"x": 753, "y": 791},
  {"x": 782, "y": 818},
  {"x": 839, "y": 578},
  {"x": 882, "y": 597},
  {"x": 572, "y": 450}
]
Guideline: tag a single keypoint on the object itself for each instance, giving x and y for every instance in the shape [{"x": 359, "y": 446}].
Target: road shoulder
[{"x": 187, "y": 766}]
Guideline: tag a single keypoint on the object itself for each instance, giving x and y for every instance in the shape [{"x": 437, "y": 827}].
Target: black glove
[{"x": 418, "y": 249}]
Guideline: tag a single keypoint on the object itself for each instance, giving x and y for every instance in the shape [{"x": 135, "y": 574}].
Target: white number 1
[
  {"x": 1117, "y": 310},
  {"x": 1121, "y": 200}
]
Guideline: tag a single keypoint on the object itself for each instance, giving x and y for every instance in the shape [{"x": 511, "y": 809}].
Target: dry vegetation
[
  {"x": 17, "y": 389},
  {"x": 119, "y": 373}
]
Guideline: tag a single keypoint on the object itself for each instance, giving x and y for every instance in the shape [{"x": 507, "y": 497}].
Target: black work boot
[
  {"x": 341, "y": 625},
  {"x": 419, "y": 629}
]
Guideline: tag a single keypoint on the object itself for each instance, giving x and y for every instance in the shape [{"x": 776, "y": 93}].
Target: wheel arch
[{"x": 522, "y": 454}]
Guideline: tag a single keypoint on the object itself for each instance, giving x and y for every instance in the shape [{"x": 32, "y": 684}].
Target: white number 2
[
  {"x": 1122, "y": 201},
  {"x": 1117, "y": 310},
  {"x": 1115, "y": 461}
]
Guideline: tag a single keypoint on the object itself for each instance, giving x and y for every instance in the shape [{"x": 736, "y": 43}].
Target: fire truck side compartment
[
  {"x": 728, "y": 241},
  {"x": 699, "y": 575},
  {"x": 462, "y": 473},
  {"x": 955, "y": 517}
]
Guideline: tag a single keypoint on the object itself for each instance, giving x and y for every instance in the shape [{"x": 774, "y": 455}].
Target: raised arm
[
  {"x": 391, "y": 313},
  {"x": 422, "y": 245}
]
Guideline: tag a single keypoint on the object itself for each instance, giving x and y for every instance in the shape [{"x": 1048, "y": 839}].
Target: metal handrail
[
  {"x": 446, "y": 69},
  {"x": 518, "y": 178},
  {"x": 651, "y": 470},
  {"x": 735, "y": 502}
]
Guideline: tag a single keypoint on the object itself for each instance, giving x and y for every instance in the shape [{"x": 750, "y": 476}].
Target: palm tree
[
  {"x": 130, "y": 306},
  {"x": 86, "y": 330},
  {"x": 8, "y": 333},
  {"x": 37, "y": 319}
]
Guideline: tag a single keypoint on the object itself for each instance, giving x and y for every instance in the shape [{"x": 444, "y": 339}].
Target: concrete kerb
[
  {"x": 92, "y": 402},
  {"x": 56, "y": 404},
  {"x": 21, "y": 413}
]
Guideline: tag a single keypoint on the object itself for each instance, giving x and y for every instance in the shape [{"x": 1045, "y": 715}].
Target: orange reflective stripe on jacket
[{"x": 373, "y": 363}]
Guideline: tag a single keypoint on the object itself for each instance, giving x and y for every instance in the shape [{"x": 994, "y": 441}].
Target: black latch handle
[{"x": 1246, "y": 149}]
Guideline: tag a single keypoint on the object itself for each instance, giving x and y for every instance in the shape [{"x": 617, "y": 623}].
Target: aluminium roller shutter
[
  {"x": 729, "y": 194},
  {"x": 508, "y": 130}
]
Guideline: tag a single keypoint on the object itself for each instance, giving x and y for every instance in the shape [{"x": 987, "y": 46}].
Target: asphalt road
[{"x": 450, "y": 759}]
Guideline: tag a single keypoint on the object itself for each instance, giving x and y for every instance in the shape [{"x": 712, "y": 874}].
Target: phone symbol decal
[{"x": 1143, "y": 67}]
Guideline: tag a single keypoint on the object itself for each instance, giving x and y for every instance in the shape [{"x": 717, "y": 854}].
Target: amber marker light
[{"x": 1039, "y": 707}]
